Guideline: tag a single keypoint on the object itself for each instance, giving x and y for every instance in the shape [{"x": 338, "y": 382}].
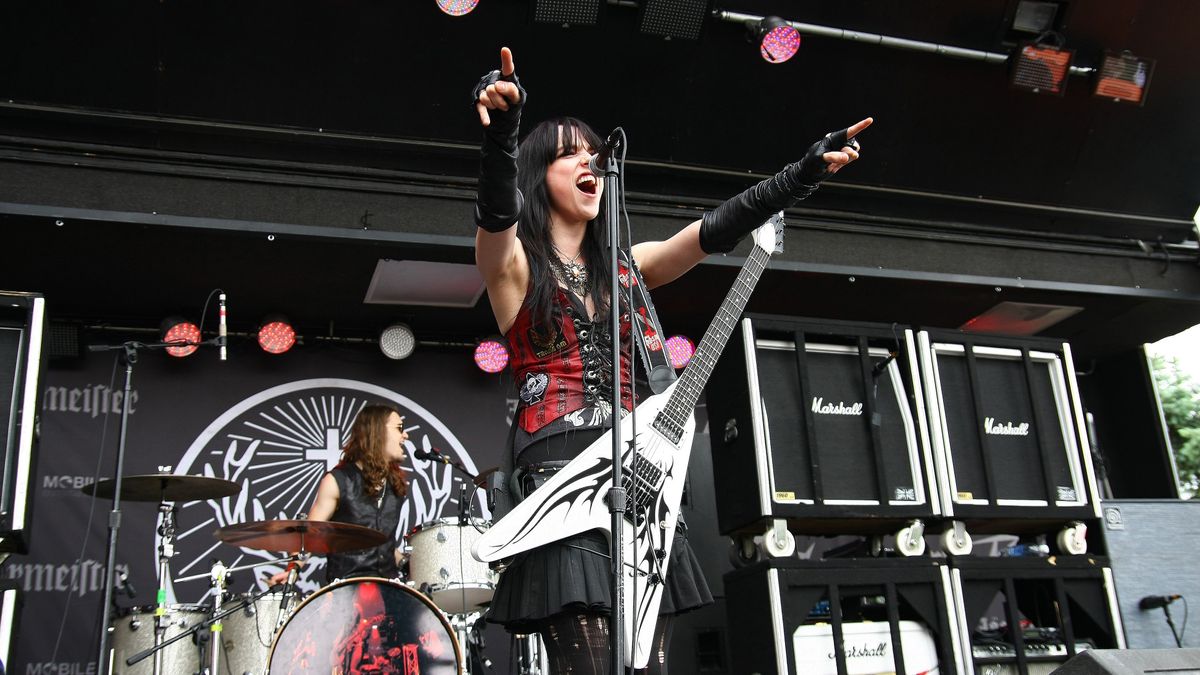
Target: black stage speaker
[
  {"x": 819, "y": 423},
  {"x": 1007, "y": 430},
  {"x": 1029, "y": 615},
  {"x": 1133, "y": 662},
  {"x": 22, "y": 317},
  {"x": 846, "y": 616}
]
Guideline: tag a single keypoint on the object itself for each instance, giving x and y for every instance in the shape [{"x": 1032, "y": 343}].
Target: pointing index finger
[
  {"x": 506, "y": 62},
  {"x": 858, "y": 128}
]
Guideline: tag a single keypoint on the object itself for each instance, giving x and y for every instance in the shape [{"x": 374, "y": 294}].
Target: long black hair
[{"x": 538, "y": 151}]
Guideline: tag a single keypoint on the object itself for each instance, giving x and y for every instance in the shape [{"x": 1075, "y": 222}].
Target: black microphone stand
[
  {"x": 616, "y": 494},
  {"x": 130, "y": 356}
]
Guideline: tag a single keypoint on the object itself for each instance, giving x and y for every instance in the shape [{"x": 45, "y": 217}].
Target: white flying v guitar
[{"x": 655, "y": 463}]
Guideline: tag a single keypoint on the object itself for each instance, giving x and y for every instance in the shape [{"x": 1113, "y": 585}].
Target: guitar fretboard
[{"x": 674, "y": 415}]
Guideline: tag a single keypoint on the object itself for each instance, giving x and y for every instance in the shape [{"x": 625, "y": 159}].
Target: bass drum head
[{"x": 365, "y": 625}]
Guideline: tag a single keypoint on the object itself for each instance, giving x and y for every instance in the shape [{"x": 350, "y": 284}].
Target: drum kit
[{"x": 423, "y": 624}]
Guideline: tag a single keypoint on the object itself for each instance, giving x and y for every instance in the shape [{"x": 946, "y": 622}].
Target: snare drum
[
  {"x": 134, "y": 633},
  {"x": 366, "y": 625},
  {"x": 442, "y": 567},
  {"x": 247, "y": 634}
]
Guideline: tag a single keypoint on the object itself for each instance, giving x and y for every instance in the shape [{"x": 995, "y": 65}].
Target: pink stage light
[
  {"x": 680, "y": 350},
  {"x": 457, "y": 7},
  {"x": 491, "y": 356},
  {"x": 779, "y": 42}
]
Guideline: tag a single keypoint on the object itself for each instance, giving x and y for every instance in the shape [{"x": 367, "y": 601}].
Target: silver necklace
[{"x": 573, "y": 275}]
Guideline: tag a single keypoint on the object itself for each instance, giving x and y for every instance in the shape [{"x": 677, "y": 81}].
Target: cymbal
[
  {"x": 482, "y": 479},
  {"x": 312, "y": 536},
  {"x": 164, "y": 487}
]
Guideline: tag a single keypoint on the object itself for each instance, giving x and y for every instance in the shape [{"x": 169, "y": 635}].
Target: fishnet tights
[{"x": 578, "y": 644}]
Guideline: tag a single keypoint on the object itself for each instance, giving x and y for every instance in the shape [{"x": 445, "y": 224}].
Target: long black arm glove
[
  {"x": 499, "y": 202},
  {"x": 721, "y": 229}
]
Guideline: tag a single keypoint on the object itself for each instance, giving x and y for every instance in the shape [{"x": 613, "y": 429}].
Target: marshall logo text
[
  {"x": 1007, "y": 429},
  {"x": 821, "y": 407}
]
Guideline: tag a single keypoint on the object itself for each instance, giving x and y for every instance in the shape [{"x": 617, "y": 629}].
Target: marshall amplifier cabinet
[
  {"x": 1027, "y": 616},
  {"x": 22, "y": 317},
  {"x": 820, "y": 425},
  {"x": 845, "y": 617},
  {"x": 1008, "y": 432}
]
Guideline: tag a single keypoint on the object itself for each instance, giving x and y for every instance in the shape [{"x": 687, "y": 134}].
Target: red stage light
[
  {"x": 491, "y": 356},
  {"x": 175, "y": 330},
  {"x": 276, "y": 335},
  {"x": 680, "y": 350}
]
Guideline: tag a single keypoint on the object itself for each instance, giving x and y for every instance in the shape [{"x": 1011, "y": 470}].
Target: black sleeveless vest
[{"x": 356, "y": 507}]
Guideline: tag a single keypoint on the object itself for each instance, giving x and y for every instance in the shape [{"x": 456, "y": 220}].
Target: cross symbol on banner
[{"x": 330, "y": 453}]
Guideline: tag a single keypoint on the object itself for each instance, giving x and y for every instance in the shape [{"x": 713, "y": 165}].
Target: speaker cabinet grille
[
  {"x": 1005, "y": 422},
  {"x": 821, "y": 424}
]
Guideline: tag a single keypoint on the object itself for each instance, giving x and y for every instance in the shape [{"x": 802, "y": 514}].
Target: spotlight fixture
[
  {"x": 1124, "y": 77},
  {"x": 680, "y": 350},
  {"x": 1042, "y": 68},
  {"x": 491, "y": 355},
  {"x": 179, "y": 331},
  {"x": 276, "y": 334},
  {"x": 567, "y": 12},
  {"x": 777, "y": 39},
  {"x": 673, "y": 18},
  {"x": 397, "y": 341},
  {"x": 457, "y": 7}
]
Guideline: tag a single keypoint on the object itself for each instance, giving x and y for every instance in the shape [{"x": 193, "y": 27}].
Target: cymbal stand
[
  {"x": 166, "y": 551},
  {"x": 531, "y": 657},
  {"x": 219, "y": 574}
]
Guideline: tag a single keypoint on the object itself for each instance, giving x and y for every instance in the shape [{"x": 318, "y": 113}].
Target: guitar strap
[{"x": 651, "y": 346}]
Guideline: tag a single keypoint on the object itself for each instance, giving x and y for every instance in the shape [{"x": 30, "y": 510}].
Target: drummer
[{"x": 366, "y": 488}]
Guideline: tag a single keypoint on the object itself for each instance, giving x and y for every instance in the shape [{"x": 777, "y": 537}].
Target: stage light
[
  {"x": 567, "y": 12},
  {"x": 457, "y": 7},
  {"x": 397, "y": 341},
  {"x": 777, "y": 39},
  {"x": 680, "y": 350},
  {"x": 1042, "y": 68},
  {"x": 491, "y": 355},
  {"x": 681, "y": 19},
  {"x": 177, "y": 330},
  {"x": 1124, "y": 77},
  {"x": 275, "y": 334}
]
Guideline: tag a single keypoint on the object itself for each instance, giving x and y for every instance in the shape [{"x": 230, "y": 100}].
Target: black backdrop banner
[{"x": 273, "y": 425}]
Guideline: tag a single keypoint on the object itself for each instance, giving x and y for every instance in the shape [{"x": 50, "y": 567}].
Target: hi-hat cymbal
[
  {"x": 164, "y": 487},
  {"x": 312, "y": 536}
]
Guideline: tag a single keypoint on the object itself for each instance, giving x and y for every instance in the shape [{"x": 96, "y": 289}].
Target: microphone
[
  {"x": 1156, "y": 601},
  {"x": 221, "y": 329},
  {"x": 432, "y": 455},
  {"x": 598, "y": 161},
  {"x": 126, "y": 585}
]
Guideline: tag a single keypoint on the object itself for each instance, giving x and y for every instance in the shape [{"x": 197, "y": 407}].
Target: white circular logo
[{"x": 276, "y": 445}]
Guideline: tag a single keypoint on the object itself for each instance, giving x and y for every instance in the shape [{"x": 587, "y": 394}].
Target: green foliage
[{"x": 1180, "y": 396}]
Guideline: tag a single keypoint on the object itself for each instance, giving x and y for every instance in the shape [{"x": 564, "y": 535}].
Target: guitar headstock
[{"x": 769, "y": 235}]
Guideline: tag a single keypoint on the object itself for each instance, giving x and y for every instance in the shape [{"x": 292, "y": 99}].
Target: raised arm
[
  {"x": 499, "y": 98},
  {"x": 720, "y": 230}
]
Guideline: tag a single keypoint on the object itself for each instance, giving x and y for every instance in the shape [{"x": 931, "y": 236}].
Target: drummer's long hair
[{"x": 365, "y": 448}]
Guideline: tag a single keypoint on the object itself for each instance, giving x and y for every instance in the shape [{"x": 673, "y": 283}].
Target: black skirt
[{"x": 573, "y": 575}]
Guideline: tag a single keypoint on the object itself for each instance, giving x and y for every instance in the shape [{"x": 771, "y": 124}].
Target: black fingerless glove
[
  {"x": 723, "y": 228},
  {"x": 498, "y": 203}
]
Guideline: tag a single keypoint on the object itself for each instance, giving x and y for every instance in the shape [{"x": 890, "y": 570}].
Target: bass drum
[
  {"x": 247, "y": 634},
  {"x": 366, "y": 625},
  {"x": 134, "y": 633}
]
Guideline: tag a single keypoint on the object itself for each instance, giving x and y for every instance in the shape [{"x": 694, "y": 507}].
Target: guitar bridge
[{"x": 643, "y": 481}]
